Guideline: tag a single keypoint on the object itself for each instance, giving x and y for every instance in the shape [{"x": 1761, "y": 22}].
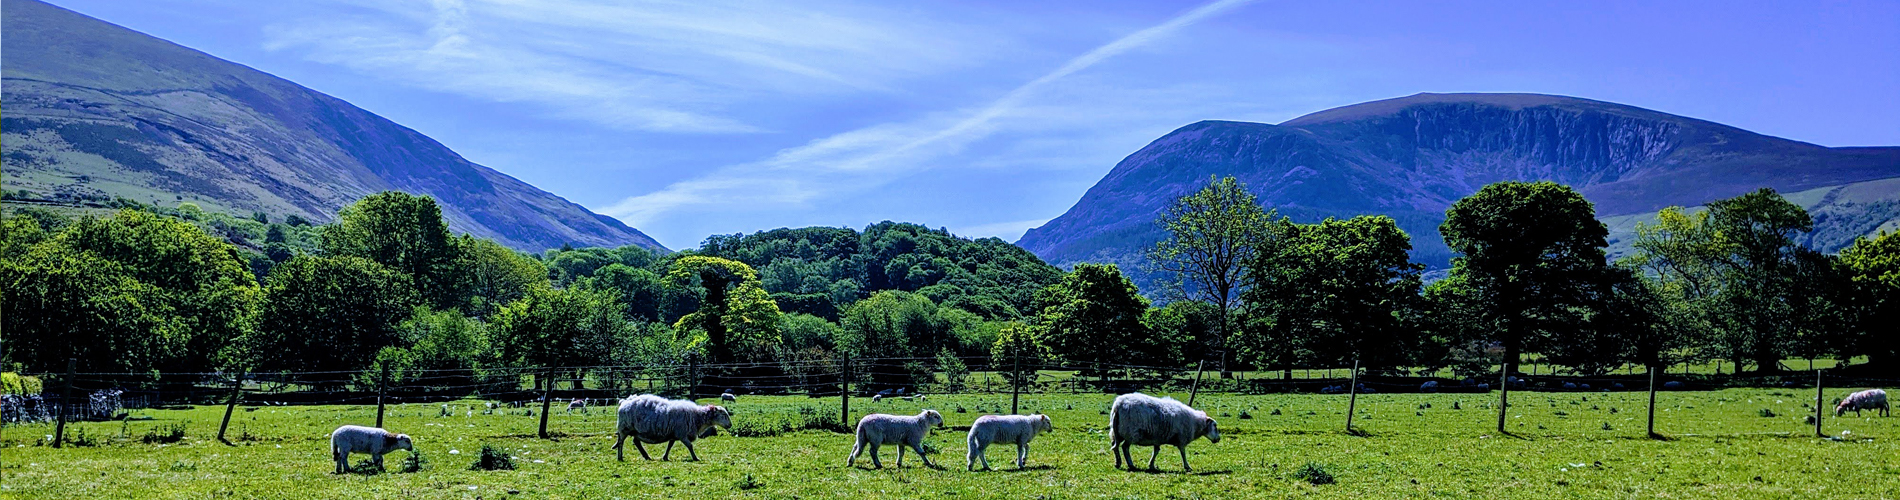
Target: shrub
[
  {"x": 492, "y": 458},
  {"x": 1314, "y": 473},
  {"x": 168, "y": 433},
  {"x": 1766, "y": 413},
  {"x": 748, "y": 482},
  {"x": 415, "y": 463}
]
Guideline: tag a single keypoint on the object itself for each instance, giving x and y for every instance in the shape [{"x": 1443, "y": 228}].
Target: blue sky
[{"x": 692, "y": 118}]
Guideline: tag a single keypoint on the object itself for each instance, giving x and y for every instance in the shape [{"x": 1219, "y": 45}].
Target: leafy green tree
[
  {"x": 1334, "y": 292},
  {"x": 490, "y": 275},
  {"x": 1212, "y": 235},
  {"x": 1093, "y": 317},
  {"x": 60, "y": 304},
  {"x": 551, "y": 327},
  {"x": 1528, "y": 251},
  {"x": 438, "y": 348},
  {"x": 716, "y": 280},
  {"x": 404, "y": 232},
  {"x": 644, "y": 293},
  {"x": 1873, "y": 265},
  {"x": 330, "y": 314}
]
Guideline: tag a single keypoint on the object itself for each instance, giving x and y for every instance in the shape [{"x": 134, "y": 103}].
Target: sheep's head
[
  {"x": 1846, "y": 404},
  {"x": 1209, "y": 429},
  {"x": 932, "y": 418},
  {"x": 392, "y": 442},
  {"x": 1043, "y": 424},
  {"x": 720, "y": 416}
]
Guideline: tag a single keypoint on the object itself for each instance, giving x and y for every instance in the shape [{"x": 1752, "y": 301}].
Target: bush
[
  {"x": 168, "y": 433},
  {"x": 1314, "y": 473},
  {"x": 14, "y": 383},
  {"x": 493, "y": 458},
  {"x": 415, "y": 463}
]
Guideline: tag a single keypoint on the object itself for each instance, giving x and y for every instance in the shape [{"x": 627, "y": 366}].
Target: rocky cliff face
[
  {"x": 1412, "y": 157},
  {"x": 97, "y": 110}
]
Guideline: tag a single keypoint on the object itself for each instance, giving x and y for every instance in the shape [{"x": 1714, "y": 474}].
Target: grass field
[{"x": 1563, "y": 445}]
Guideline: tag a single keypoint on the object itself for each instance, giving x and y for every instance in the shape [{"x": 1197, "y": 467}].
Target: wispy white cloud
[
  {"x": 649, "y": 65},
  {"x": 872, "y": 156}
]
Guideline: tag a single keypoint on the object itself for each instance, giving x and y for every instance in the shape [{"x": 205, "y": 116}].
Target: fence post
[
  {"x": 1194, "y": 388},
  {"x": 382, "y": 385},
  {"x": 1817, "y": 404},
  {"x": 65, "y": 399},
  {"x": 1016, "y": 388},
  {"x": 237, "y": 388},
  {"x": 547, "y": 398},
  {"x": 1352, "y": 402},
  {"x": 844, "y": 390},
  {"x": 1504, "y": 393},
  {"x": 1652, "y": 403}
]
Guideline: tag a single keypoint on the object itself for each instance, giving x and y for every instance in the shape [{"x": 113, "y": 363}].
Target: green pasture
[{"x": 1736, "y": 443}]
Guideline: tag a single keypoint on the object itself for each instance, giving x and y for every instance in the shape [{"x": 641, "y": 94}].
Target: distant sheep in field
[
  {"x": 1138, "y": 419},
  {"x": 1871, "y": 399},
  {"x": 1017, "y": 429},
  {"x": 578, "y": 404},
  {"x": 1428, "y": 386},
  {"x": 728, "y": 397},
  {"x": 879, "y": 429},
  {"x": 918, "y": 397},
  {"x": 1672, "y": 385},
  {"x": 877, "y": 397},
  {"x": 652, "y": 419},
  {"x": 358, "y": 439}
]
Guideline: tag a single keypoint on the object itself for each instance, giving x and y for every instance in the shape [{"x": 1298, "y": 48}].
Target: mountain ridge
[
  {"x": 1411, "y": 157},
  {"x": 95, "y": 110}
]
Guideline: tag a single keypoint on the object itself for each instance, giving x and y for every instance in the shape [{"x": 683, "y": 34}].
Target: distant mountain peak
[
  {"x": 1411, "y": 157},
  {"x": 97, "y": 110}
]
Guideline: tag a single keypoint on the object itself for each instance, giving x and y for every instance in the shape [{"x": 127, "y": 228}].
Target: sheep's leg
[
  {"x": 880, "y": 464},
  {"x": 642, "y": 448},
  {"x": 1184, "y": 464},
  {"x": 919, "y": 446},
  {"x": 620, "y": 446},
  {"x": 377, "y": 458},
  {"x": 689, "y": 450},
  {"x": 342, "y": 461},
  {"x": 856, "y": 448},
  {"x": 900, "y": 456},
  {"x": 1115, "y": 448},
  {"x": 1022, "y": 454},
  {"x": 969, "y": 458},
  {"x": 1151, "y": 457},
  {"x": 669, "y": 451}
]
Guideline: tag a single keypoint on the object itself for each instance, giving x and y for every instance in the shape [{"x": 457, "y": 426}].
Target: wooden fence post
[
  {"x": 1504, "y": 393},
  {"x": 382, "y": 385},
  {"x": 237, "y": 389},
  {"x": 1652, "y": 404},
  {"x": 1016, "y": 389},
  {"x": 547, "y": 399},
  {"x": 844, "y": 391},
  {"x": 1352, "y": 402},
  {"x": 65, "y": 400},
  {"x": 1817, "y": 404},
  {"x": 1194, "y": 388}
]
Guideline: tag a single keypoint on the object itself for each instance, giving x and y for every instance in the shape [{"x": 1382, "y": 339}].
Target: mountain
[
  {"x": 1411, "y": 157},
  {"x": 96, "y": 111}
]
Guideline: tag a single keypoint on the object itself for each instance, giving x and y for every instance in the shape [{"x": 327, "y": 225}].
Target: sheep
[
  {"x": 728, "y": 397},
  {"x": 358, "y": 439},
  {"x": 877, "y": 397},
  {"x": 653, "y": 420},
  {"x": 1017, "y": 429},
  {"x": 578, "y": 404},
  {"x": 1428, "y": 386},
  {"x": 1672, "y": 385},
  {"x": 879, "y": 429},
  {"x": 1138, "y": 419},
  {"x": 1871, "y": 399}
]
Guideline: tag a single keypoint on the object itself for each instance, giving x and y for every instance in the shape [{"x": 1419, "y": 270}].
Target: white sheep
[
  {"x": 653, "y": 420},
  {"x": 359, "y": 439},
  {"x": 877, "y": 397},
  {"x": 879, "y": 429},
  {"x": 1871, "y": 399},
  {"x": 728, "y": 397},
  {"x": 578, "y": 404},
  {"x": 1017, "y": 429},
  {"x": 1138, "y": 419}
]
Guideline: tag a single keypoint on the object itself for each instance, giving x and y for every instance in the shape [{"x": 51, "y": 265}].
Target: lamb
[
  {"x": 1138, "y": 419},
  {"x": 578, "y": 404},
  {"x": 879, "y": 429},
  {"x": 1871, "y": 399},
  {"x": 728, "y": 397},
  {"x": 1017, "y": 429},
  {"x": 358, "y": 439},
  {"x": 652, "y": 419},
  {"x": 877, "y": 397}
]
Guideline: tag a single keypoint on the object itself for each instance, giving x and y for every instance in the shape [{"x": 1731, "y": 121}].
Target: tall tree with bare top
[{"x": 1212, "y": 235}]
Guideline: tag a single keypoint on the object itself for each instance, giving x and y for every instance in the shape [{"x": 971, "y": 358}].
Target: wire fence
[{"x": 98, "y": 396}]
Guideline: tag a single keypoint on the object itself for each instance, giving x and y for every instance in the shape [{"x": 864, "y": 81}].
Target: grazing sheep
[
  {"x": 1017, "y": 429},
  {"x": 877, "y": 397},
  {"x": 1871, "y": 399},
  {"x": 728, "y": 397},
  {"x": 879, "y": 429},
  {"x": 358, "y": 439},
  {"x": 578, "y": 404},
  {"x": 653, "y": 420},
  {"x": 1138, "y": 419},
  {"x": 1428, "y": 386}
]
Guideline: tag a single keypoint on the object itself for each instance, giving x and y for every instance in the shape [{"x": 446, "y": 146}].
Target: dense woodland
[{"x": 148, "y": 293}]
